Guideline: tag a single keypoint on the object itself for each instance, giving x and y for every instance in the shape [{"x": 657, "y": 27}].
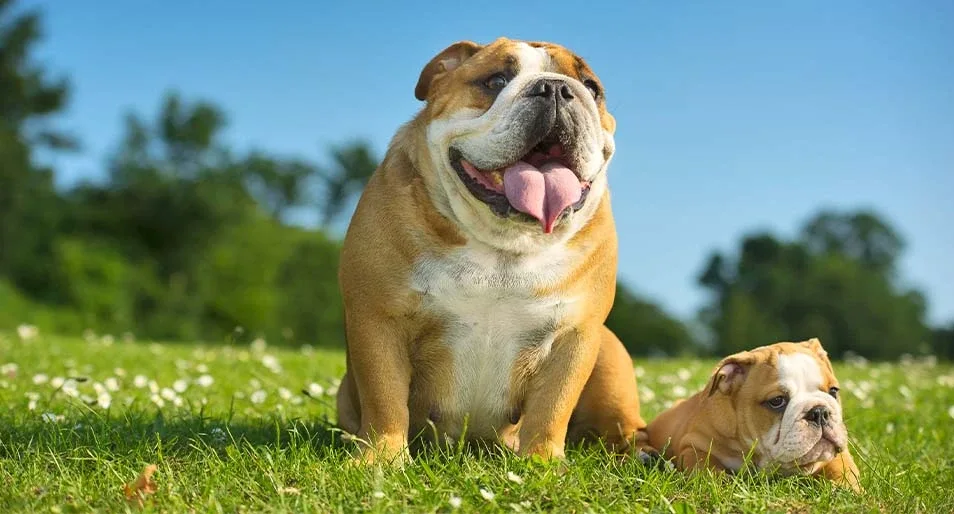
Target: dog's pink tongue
[{"x": 543, "y": 193}]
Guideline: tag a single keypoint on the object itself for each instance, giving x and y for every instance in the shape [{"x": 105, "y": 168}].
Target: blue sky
[{"x": 732, "y": 116}]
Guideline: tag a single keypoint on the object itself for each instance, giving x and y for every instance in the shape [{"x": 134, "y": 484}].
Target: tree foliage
[
  {"x": 187, "y": 238},
  {"x": 835, "y": 281}
]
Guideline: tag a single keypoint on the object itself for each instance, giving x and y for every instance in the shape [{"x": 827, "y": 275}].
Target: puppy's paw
[{"x": 651, "y": 458}]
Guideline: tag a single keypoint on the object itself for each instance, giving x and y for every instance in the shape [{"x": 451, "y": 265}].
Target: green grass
[{"x": 250, "y": 441}]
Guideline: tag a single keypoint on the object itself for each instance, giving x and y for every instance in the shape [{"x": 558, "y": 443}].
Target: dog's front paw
[
  {"x": 543, "y": 451},
  {"x": 384, "y": 450}
]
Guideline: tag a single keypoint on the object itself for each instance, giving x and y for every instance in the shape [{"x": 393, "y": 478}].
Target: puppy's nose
[
  {"x": 818, "y": 415},
  {"x": 550, "y": 88}
]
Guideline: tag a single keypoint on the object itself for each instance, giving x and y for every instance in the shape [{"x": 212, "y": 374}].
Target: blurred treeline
[{"x": 185, "y": 238}]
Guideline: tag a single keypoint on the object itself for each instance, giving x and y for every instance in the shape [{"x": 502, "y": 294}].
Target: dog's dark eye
[
  {"x": 833, "y": 392},
  {"x": 496, "y": 82},
  {"x": 593, "y": 87},
  {"x": 777, "y": 403}
]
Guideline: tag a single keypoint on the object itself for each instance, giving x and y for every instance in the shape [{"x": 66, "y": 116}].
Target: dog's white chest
[{"x": 491, "y": 315}]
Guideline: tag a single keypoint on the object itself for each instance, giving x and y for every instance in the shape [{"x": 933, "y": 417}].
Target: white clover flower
[
  {"x": 258, "y": 396},
  {"x": 57, "y": 382},
  {"x": 9, "y": 369},
  {"x": 180, "y": 386},
  {"x": 905, "y": 391},
  {"x": 178, "y": 401},
  {"x": 259, "y": 345},
  {"x": 513, "y": 477},
  {"x": 167, "y": 394},
  {"x": 202, "y": 368},
  {"x": 69, "y": 388},
  {"x": 50, "y": 417},
  {"x": 315, "y": 390},
  {"x": 27, "y": 332},
  {"x": 182, "y": 365},
  {"x": 455, "y": 501},
  {"x": 205, "y": 380},
  {"x": 331, "y": 391},
  {"x": 218, "y": 434},
  {"x": 111, "y": 384},
  {"x": 140, "y": 381},
  {"x": 378, "y": 494},
  {"x": 40, "y": 379},
  {"x": 640, "y": 371},
  {"x": 646, "y": 393},
  {"x": 889, "y": 428},
  {"x": 683, "y": 374},
  {"x": 679, "y": 391},
  {"x": 104, "y": 400},
  {"x": 155, "y": 398},
  {"x": 284, "y": 394},
  {"x": 271, "y": 362},
  {"x": 153, "y": 386},
  {"x": 31, "y": 405},
  {"x": 950, "y": 411},
  {"x": 107, "y": 340},
  {"x": 487, "y": 494}
]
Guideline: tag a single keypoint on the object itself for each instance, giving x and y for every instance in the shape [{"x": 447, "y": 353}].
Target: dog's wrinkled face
[
  {"x": 519, "y": 138},
  {"x": 786, "y": 403}
]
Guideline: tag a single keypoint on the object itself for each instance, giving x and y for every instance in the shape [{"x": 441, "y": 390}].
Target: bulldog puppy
[
  {"x": 480, "y": 264},
  {"x": 778, "y": 404}
]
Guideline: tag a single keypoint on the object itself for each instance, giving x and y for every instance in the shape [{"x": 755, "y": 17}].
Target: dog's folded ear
[
  {"x": 450, "y": 58},
  {"x": 731, "y": 373},
  {"x": 815, "y": 345}
]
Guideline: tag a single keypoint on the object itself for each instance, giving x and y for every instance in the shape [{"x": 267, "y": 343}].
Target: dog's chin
[{"x": 819, "y": 454}]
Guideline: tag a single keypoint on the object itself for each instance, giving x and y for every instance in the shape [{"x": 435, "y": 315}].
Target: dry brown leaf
[{"x": 143, "y": 486}]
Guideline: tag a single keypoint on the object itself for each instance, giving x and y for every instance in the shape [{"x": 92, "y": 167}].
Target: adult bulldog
[{"x": 480, "y": 264}]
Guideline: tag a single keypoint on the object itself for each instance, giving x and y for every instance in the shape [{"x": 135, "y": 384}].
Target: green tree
[
  {"x": 645, "y": 329},
  {"x": 353, "y": 165},
  {"x": 942, "y": 341},
  {"x": 29, "y": 207},
  {"x": 835, "y": 282}
]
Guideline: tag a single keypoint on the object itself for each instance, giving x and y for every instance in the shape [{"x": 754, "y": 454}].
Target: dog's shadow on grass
[{"x": 125, "y": 433}]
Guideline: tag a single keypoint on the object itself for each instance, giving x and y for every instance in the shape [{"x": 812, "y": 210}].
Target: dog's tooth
[{"x": 496, "y": 177}]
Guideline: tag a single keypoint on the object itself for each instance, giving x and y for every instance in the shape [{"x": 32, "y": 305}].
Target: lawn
[{"x": 247, "y": 428}]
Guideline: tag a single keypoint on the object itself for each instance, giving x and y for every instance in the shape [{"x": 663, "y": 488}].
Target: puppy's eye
[
  {"x": 496, "y": 82},
  {"x": 833, "y": 392},
  {"x": 593, "y": 87},
  {"x": 777, "y": 403}
]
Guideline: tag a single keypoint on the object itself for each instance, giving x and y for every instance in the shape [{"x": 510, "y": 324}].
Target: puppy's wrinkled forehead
[
  {"x": 798, "y": 366},
  {"x": 456, "y": 79}
]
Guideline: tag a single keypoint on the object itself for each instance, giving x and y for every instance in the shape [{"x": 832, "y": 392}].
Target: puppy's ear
[
  {"x": 815, "y": 345},
  {"x": 731, "y": 373},
  {"x": 449, "y": 59}
]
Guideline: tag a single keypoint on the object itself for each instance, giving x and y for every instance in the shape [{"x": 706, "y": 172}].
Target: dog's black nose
[
  {"x": 818, "y": 415},
  {"x": 550, "y": 88}
]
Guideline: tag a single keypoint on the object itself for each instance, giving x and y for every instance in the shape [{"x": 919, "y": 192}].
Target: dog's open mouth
[{"x": 541, "y": 185}]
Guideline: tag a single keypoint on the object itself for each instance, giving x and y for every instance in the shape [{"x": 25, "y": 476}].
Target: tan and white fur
[
  {"x": 775, "y": 406},
  {"x": 461, "y": 321}
]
